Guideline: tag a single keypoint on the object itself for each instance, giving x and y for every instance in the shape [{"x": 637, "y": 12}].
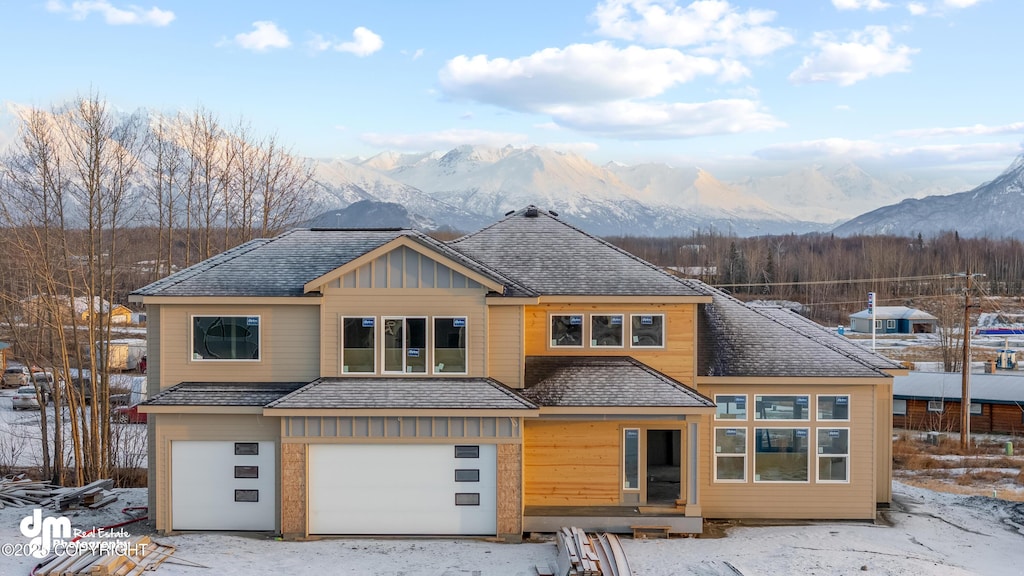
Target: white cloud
[
  {"x": 573, "y": 147},
  {"x": 441, "y": 139},
  {"x": 709, "y": 26},
  {"x": 865, "y": 53},
  {"x": 823, "y": 148},
  {"x": 960, "y": 3},
  {"x": 641, "y": 120},
  {"x": 266, "y": 35},
  {"x": 871, "y": 5},
  {"x": 975, "y": 130},
  {"x": 112, "y": 14},
  {"x": 917, "y": 8},
  {"x": 842, "y": 107},
  {"x": 364, "y": 42},
  {"x": 869, "y": 150}
]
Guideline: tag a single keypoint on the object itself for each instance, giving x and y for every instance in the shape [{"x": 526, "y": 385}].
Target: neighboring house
[
  {"x": 520, "y": 378},
  {"x": 894, "y": 320},
  {"x": 5, "y": 348},
  {"x": 43, "y": 307},
  {"x": 116, "y": 313},
  {"x": 932, "y": 400}
]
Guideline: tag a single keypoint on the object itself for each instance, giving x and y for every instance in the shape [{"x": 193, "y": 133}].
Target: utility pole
[{"x": 965, "y": 391}]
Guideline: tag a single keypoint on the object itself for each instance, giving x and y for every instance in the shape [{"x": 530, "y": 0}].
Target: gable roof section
[
  {"x": 403, "y": 394},
  {"x": 740, "y": 340},
  {"x": 986, "y": 388},
  {"x": 604, "y": 382},
  {"x": 549, "y": 257},
  {"x": 222, "y": 394},
  {"x": 891, "y": 312}
]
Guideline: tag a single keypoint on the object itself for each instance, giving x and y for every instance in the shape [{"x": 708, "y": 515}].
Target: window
[
  {"x": 935, "y": 406},
  {"x": 467, "y": 499},
  {"x": 606, "y": 330},
  {"x": 467, "y": 451},
  {"x": 450, "y": 345},
  {"x": 247, "y": 449},
  {"x": 899, "y": 407},
  {"x": 834, "y": 407},
  {"x": 833, "y": 454},
  {"x": 647, "y": 330},
  {"x": 976, "y": 408},
  {"x": 405, "y": 345},
  {"x": 567, "y": 330},
  {"x": 730, "y": 407},
  {"x": 467, "y": 475},
  {"x": 225, "y": 337},
  {"x": 359, "y": 344},
  {"x": 781, "y": 455},
  {"x": 890, "y": 324},
  {"x": 878, "y": 324},
  {"x": 730, "y": 454},
  {"x": 631, "y": 459},
  {"x": 781, "y": 407},
  {"x": 247, "y": 471},
  {"x": 247, "y": 495}
]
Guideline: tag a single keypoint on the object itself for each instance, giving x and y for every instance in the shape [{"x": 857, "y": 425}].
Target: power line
[{"x": 847, "y": 281}]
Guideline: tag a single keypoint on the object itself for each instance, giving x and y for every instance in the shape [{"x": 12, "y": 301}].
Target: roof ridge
[
  {"x": 212, "y": 262},
  {"x": 509, "y": 392}
]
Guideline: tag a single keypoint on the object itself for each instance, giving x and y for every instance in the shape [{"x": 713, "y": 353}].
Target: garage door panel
[
  {"x": 205, "y": 491},
  {"x": 399, "y": 489}
]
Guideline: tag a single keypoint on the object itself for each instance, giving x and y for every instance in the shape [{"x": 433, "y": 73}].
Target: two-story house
[{"x": 520, "y": 378}]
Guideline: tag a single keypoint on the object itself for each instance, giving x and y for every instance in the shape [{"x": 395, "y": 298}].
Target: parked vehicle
[
  {"x": 44, "y": 381},
  {"x": 129, "y": 414},
  {"x": 25, "y": 399},
  {"x": 16, "y": 376},
  {"x": 128, "y": 410}
]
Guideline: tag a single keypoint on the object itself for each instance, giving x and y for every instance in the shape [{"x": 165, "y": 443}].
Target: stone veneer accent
[
  {"x": 293, "y": 491},
  {"x": 510, "y": 492}
]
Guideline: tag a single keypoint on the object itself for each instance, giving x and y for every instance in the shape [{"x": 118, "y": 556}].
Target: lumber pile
[
  {"x": 580, "y": 555},
  {"x": 126, "y": 559},
  {"x": 21, "y": 491}
]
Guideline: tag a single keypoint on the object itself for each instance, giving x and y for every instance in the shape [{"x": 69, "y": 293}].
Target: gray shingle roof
[
  {"x": 223, "y": 393},
  {"x": 548, "y": 256},
  {"x": 891, "y": 312},
  {"x": 405, "y": 393},
  {"x": 987, "y": 388},
  {"x": 604, "y": 381},
  {"x": 282, "y": 265},
  {"x": 736, "y": 339}
]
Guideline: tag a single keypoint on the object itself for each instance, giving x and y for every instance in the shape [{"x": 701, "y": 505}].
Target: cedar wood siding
[
  {"x": 883, "y": 441},
  {"x": 289, "y": 345},
  {"x": 805, "y": 500},
  {"x": 994, "y": 418},
  {"x": 419, "y": 302},
  {"x": 571, "y": 463},
  {"x": 674, "y": 360},
  {"x": 221, "y": 427},
  {"x": 505, "y": 345}
]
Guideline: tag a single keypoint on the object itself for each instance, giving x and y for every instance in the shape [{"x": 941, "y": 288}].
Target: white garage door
[
  {"x": 402, "y": 489},
  {"x": 222, "y": 486}
]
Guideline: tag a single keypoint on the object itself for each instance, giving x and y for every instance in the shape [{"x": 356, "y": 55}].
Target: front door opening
[{"x": 663, "y": 466}]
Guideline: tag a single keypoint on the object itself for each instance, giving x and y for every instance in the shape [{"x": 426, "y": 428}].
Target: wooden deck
[{"x": 616, "y": 519}]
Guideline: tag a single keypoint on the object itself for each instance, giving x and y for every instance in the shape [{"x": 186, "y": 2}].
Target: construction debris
[
  {"x": 20, "y": 491},
  {"x": 580, "y": 555},
  {"x": 127, "y": 558}
]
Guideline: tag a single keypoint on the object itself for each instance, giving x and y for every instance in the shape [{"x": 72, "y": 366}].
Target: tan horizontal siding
[
  {"x": 505, "y": 342},
  {"x": 570, "y": 463},
  {"x": 339, "y": 303},
  {"x": 809, "y": 500},
  {"x": 289, "y": 345}
]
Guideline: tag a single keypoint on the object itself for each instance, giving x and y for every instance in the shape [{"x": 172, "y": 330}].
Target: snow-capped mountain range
[{"x": 470, "y": 186}]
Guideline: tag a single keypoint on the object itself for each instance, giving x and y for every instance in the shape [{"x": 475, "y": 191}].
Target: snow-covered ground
[{"x": 925, "y": 534}]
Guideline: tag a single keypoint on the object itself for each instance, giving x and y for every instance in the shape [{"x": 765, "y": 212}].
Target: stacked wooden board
[
  {"x": 141, "y": 555},
  {"x": 580, "y": 555},
  {"x": 21, "y": 491}
]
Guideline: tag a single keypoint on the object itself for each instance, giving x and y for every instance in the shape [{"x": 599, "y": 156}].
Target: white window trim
[
  {"x": 639, "y": 450},
  {"x": 807, "y": 419},
  {"x": 584, "y": 333},
  {"x": 589, "y": 321},
  {"x": 980, "y": 411},
  {"x": 821, "y": 455},
  {"x": 754, "y": 444},
  {"x": 432, "y": 344},
  {"x": 376, "y": 341},
  {"x": 746, "y": 404},
  {"x": 405, "y": 351},
  {"x": 890, "y": 324},
  {"x": 894, "y": 412},
  {"x": 817, "y": 400},
  {"x": 192, "y": 337},
  {"x": 936, "y": 406},
  {"x": 663, "y": 330},
  {"x": 743, "y": 455}
]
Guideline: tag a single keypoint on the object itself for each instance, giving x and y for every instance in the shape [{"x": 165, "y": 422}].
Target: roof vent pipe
[{"x": 531, "y": 212}]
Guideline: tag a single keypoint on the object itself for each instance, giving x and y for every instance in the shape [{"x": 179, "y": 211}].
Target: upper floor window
[
  {"x": 450, "y": 345},
  {"x": 405, "y": 344},
  {"x": 647, "y": 330},
  {"x": 606, "y": 330},
  {"x": 225, "y": 337},
  {"x": 781, "y": 407},
  {"x": 834, "y": 407},
  {"x": 567, "y": 330},
  {"x": 359, "y": 345},
  {"x": 730, "y": 407}
]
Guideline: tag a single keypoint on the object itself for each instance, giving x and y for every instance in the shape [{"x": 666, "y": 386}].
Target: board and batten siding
[
  {"x": 571, "y": 463},
  {"x": 674, "y": 360},
  {"x": 212, "y": 427},
  {"x": 408, "y": 302},
  {"x": 505, "y": 345},
  {"x": 796, "y": 500},
  {"x": 289, "y": 345}
]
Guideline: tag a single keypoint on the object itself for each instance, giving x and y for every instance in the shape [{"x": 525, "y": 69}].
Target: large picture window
[
  {"x": 730, "y": 454},
  {"x": 834, "y": 407},
  {"x": 781, "y": 455},
  {"x": 450, "y": 345},
  {"x": 606, "y": 330},
  {"x": 225, "y": 337},
  {"x": 730, "y": 407},
  {"x": 405, "y": 345},
  {"x": 567, "y": 330},
  {"x": 358, "y": 341},
  {"x": 833, "y": 454},
  {"x": 647, "y": 330},
  {"x": 781, "y": 407}
]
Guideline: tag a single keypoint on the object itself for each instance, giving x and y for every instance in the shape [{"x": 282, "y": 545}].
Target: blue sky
[{"x": 922, "y": 84}]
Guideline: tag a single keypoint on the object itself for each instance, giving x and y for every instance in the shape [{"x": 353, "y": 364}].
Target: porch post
[{"x": 693, "y": 467}]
